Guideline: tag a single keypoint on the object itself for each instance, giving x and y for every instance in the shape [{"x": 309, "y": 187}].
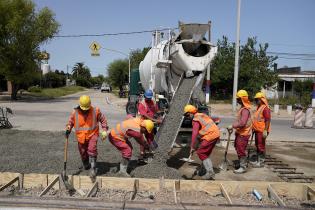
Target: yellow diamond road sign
[{"x": 95, "y": 47}]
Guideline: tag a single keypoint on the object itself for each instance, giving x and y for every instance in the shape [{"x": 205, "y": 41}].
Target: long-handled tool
[
  {"x": 224, "y": 165},
  {"x": 64, "y": 176},
  {"x": 250, "y": 144},
  {"x": 189, "y": 160}
]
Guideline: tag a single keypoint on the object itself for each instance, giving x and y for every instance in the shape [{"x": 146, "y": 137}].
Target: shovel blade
[
  {"x": 223, "y": 166},
  {"x": 187, "y": 160}
]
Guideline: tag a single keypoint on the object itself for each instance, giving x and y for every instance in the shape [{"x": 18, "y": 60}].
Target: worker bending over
[
  {"x": 120, "y": 135},
  {"x": 243, "y": 127},
  {"x": 261, "y": 127},
  {"x": 85, "y": 120},
  {"x": 208, "y": 132}
]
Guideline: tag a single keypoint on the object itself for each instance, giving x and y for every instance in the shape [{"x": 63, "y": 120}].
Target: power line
[
  {"x": 291, "y": 58},
  {"x": 112, "y": 34},
  {"x": 292, "y": 54}
]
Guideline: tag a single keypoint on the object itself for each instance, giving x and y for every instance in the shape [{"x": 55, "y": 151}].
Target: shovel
[
  {"x": 189, "y": 160},
  {"x": 223, "y": 166},
  {"x": 64, "y": 176},
  {"x": 250, "y": 144}
]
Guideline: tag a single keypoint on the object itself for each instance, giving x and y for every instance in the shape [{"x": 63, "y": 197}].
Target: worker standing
[
  {"x": 147, "y": 110},
  {"x": 85, "y": 119},
  {"x": 120, "y": 135},
  {"x": 261, "y": 127},
  {"x": 209, "y": 134},
  {"x": 243, "y": 127}
]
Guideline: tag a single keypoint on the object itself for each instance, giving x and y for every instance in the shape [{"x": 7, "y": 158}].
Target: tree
[
  {"x": 80, "y": 70},
  {"x": 54, "y": 80},
  {"x": 136, "y": 56},
  {"x": 22, "y": 31},
  {"x": 303, "y": 90},
  {"x": 118, "y": 73},
  {"x": 98, "y": 79},
  {"x": 255, "y": 69}
]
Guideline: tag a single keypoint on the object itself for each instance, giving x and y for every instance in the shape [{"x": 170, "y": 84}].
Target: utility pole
[
  {"x": 208, "y": 70},
  {"x": 237, "y": 48}
]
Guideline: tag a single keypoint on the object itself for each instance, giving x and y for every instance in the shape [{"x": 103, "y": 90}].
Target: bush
[{"x": 34, "y": 89}]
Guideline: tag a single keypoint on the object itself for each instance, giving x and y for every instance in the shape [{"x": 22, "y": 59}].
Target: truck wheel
[{"x": 131, "y": 108}]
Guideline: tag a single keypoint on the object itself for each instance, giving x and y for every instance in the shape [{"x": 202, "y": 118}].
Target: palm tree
[{"x": 81, "y": 70}]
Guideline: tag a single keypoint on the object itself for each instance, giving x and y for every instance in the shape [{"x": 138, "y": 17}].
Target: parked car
[
  {"x": 97, "y": 87},
  {"x": 106, "y": 88}
]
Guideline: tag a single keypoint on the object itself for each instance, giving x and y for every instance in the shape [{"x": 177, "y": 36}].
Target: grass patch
[{"x": 58, "y": 92}]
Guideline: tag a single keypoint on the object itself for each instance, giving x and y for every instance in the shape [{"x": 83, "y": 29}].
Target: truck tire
[{"x": 131, "y": 108}]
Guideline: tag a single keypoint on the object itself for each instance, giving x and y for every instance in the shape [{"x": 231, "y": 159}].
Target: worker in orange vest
[
  {"x": 132, "y": 128},
  {"x": 243, "y": 127},
  {"x": 85, "y": 120},
  {"x": 261, "y": 127},
  {"x": 208, "y": 132}
]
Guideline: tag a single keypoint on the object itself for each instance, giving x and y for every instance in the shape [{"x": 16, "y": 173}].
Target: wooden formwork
[{"x": 228, "y": 189}]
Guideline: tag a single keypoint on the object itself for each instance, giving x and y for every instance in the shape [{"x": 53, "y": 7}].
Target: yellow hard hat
[
  {"x": 190, "y": 109},
  {"x": 85, "y": 102},
  {"x": 148, "y": 124},
  {"x": 259, "y": 95},
  {"x": 241, "y": 93}
]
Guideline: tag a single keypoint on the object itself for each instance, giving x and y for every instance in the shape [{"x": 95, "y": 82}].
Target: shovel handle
[{"x": 66, "y": 150}]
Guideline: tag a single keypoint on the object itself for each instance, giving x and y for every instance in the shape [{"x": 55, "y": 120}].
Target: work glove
[
  {"x": 230, "y": 128},
  {"x": 67, "y": 133},
  {"x": 265, "y": 134},
  {"x": 104, "y": 135}
]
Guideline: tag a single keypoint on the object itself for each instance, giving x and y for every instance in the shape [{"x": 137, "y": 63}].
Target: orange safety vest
[
  {"x": 246, "y": 130},
  {"x": 259, "y": 120},
  {"x": 119, "y": 133},
  {"x": 209, "y": 130},
  {"x": 86, "y": 125}
]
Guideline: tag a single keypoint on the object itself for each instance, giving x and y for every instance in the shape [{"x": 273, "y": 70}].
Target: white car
[{"x": 106, "y": 88}]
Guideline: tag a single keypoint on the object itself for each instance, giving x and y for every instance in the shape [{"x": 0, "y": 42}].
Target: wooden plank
[
  {"x": 117, "y": 183},
  {"x": 15, "y": 179},
  {"x": 273, "y": 195},
  {"x": 50, "y": 185},
  {"x": 176, "y": 190},
  {"x": 5, "y": 177},
  {"x": 225, "y": 194},
  {"x": 211, "y": 187},
  {"x": 135, "y": 189},
  {"x": 35, "y": 180},
  {"x": 92, "y": 192},
  {"x": 21, "y": 181}
]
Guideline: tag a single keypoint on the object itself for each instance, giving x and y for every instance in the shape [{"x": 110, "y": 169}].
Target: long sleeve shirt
[{"x": 195, "y": 132}]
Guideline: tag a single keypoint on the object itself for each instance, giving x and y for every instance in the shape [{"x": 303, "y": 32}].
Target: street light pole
[{"x": 237, "y": 48}]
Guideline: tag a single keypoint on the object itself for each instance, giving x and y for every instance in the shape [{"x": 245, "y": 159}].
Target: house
[{"x": 289, "y": 74}]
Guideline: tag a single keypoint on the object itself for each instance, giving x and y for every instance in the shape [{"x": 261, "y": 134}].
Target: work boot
[
  {"x": 123, "y": 168},
  {"x": 93, "y": 170},
  {"x": 243, "y": 166},
  {"x": 207, "y": 163},
  {"x": 260, "y": 161},
  {"x": 86, "y": 164}
]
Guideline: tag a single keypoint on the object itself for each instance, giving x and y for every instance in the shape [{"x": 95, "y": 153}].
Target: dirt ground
[{"x": 22, "y": 151}]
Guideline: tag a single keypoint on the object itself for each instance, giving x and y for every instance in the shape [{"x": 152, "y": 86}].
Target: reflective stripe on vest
[
  {"x": 121, "y": 128},
  {"x": 77, "y": 124},
  {"x": 206, "y": 126},
  {"x": 260, "y": 117},
  {"x": 245, "y": 131}
]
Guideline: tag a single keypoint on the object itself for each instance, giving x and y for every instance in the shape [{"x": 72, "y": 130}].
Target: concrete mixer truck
[{"x": 175, "y": 68}]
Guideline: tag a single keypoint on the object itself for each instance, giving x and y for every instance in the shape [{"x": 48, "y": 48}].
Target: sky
[{"x": 287, "y": 25}]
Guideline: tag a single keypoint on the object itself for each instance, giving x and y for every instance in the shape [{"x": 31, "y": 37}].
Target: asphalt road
[{"x": 52, "y": 115}]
